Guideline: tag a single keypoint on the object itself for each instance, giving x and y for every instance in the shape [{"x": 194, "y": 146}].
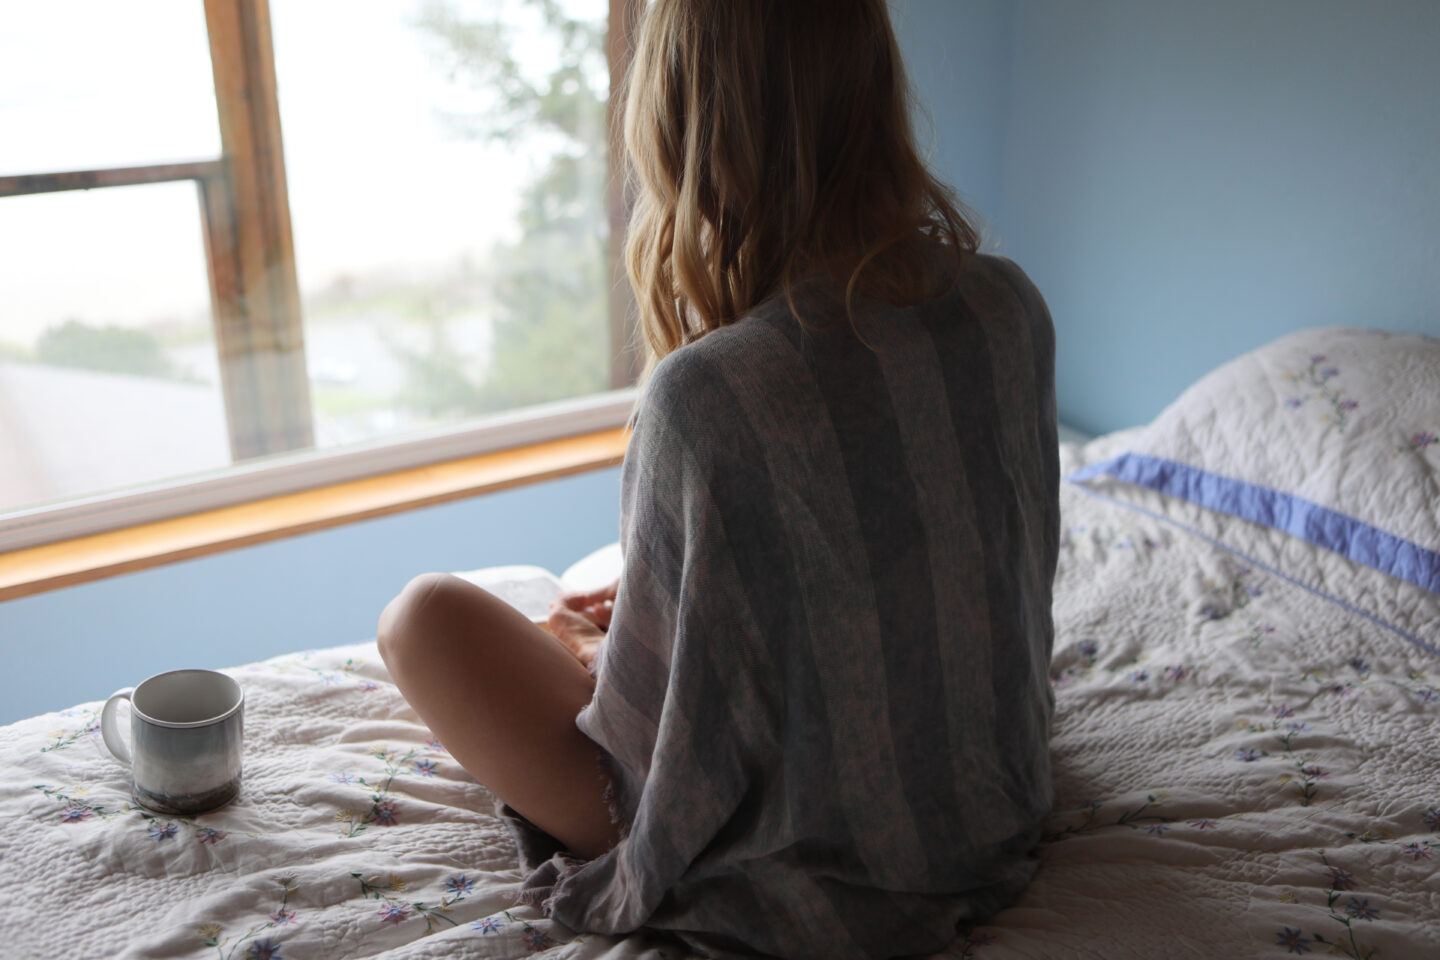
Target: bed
[{"x": 1245, "y": 761}]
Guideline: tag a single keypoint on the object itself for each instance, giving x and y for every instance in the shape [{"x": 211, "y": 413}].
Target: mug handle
[{"x": 110, "y": 730}]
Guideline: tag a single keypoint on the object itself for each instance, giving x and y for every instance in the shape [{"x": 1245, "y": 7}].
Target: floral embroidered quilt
[{"x": 1243, "y": 769}]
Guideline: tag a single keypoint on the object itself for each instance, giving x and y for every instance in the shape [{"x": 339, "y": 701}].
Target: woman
[{"x": 817, "y": 724}]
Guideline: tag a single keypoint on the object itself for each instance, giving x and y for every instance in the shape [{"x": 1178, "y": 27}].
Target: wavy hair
[{"x": 770, "y": 145}]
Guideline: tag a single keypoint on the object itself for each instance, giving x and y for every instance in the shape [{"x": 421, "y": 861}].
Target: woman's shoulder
[
  {"x": 699, "y": 364},
  {"x": 999, "y": 292},
  {"x": 989, "y": 269},
  {"x": 688, "y": 383},
  {"x": 994, "y": 288}
]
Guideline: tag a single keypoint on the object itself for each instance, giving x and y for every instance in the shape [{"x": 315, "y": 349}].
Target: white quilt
[{"x": 1243, "y": 770}]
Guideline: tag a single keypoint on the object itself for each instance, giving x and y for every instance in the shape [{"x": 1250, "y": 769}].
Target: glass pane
[
  {"x": 447, "y": 169},
  {"x": 108, "y": 371},
  {"x": 95, "y": 83}
]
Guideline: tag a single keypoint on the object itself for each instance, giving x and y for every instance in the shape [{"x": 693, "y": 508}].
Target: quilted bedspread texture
[{"x": 1242, "y": 770}]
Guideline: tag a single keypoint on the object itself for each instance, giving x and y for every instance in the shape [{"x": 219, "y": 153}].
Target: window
[{"x": 248, "y": 234}]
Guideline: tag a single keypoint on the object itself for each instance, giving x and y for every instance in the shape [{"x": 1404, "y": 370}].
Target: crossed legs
[{"x": 502, "y": 695}]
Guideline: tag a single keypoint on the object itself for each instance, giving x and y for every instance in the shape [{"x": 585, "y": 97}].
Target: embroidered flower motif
[
  {"x": 344, "y": 776},
  {"x": 1292, "y": 941},
  {"x": 396, "y": 883},
  {"x": 1361, "y": 909},
  {"x": 1432, "y": 819},
  {"x": 1420, "y": 441},
  {"x": 1139, "y": 676},
  {"x": 209, "y": 835},
  {"x": 1157, "y": 828},
  {"x": 537, "y": 939},
  {"x": 75, "y": 814},
  {"x": 395, "y": 913},
  {"x": 426, "y": 768},
  {"x": 209, "y": 933},
  {"x": 1088, "y": 648},
  {"x": 434, "y": 744},
  {"x": 162, "y": 830},
  {"x": 1314, "y": 772},
  {"x": 1319, "y": 379},
  {"x": 1416, "y": 851},
  {"x": 60, "y": 739},
  {"x": 1204, "y": 823},
  {"x": 459, "y": 885},
  {"x": 1360, "y": 665},
  {"x": 1341, "y": 879},
  {"x": 387, "y": 814},
  {"x": 1283, "y": 711},
  {"x": 488, "y": 925},
  {"x": 282, "y": 917},
  {"x": 1248, "y": 754},
  {"x": 264, "y": 949},
  {"x": 1177, "y": 672}
]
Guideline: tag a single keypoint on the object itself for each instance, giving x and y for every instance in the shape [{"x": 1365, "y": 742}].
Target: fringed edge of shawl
[
  {"x": 543, "y": 897},
  {"x": 608, "y": 795}
]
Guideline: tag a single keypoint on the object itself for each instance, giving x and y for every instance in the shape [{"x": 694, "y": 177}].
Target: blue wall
[
  {"x": 957, "y": 54},
  {"x": 318, "y": 590},
  {"x": 1186, "y": 181}
]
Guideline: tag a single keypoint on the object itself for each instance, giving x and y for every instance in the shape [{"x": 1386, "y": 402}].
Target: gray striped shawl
[{"x": 824, "y": 696}]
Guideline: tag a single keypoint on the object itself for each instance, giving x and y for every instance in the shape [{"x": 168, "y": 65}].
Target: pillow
[{"x": 1317, "y": 457}]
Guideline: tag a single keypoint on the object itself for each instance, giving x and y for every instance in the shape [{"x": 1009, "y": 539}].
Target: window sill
[{"x": 84, "y": 559}]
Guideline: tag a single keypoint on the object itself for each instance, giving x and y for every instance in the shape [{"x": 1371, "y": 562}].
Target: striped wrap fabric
[{"x": 823, "y": 700}]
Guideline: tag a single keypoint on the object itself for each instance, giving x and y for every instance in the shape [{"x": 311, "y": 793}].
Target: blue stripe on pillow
[
  {"x": 1425, "y": 645},
  {"x": 1347, "y": 536}
]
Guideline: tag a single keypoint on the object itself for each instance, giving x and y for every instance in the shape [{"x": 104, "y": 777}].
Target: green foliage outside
[
  {"x": 110, "y": 349},
  {"x": 551, "y": 335}
]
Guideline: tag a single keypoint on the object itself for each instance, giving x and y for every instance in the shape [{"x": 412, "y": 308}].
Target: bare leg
[{"x": 502, "y": 695}]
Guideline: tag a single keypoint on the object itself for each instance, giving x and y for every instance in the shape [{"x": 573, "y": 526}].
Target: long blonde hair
[{"x": 770, "y": 144}]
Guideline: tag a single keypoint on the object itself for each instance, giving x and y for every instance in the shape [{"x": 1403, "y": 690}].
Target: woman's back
[
  {"x": 822, "y": 703},
  {"x": 824, "y": 697}
]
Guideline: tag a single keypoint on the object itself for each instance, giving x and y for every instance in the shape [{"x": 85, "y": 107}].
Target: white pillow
[{"x": 1316, "y": 456}]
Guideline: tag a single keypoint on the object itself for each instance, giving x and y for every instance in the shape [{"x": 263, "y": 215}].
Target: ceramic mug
[{"x": 186, "y": 729}]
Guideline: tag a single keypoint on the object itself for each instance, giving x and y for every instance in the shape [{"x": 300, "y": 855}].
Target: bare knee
[{"x": 414, "y": 618}]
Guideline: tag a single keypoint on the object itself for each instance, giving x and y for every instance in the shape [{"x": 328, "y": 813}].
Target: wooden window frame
[
  {"x": 254, "y": 286},
  {"x": 52, "y": 566},
  {"x": 256, "y": 308}
]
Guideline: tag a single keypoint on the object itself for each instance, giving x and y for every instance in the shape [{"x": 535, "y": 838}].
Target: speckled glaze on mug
[{"x": 186, "y": 733}]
